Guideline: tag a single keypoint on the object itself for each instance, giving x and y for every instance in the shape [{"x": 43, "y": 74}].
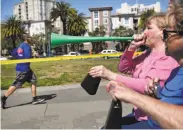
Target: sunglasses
[{"x": 168, "y": 33}]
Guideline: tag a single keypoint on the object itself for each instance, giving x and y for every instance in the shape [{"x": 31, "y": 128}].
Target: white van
[{"x": 108, "y": 52}]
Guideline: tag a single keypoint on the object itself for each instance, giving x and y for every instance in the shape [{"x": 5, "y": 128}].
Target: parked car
[
  {"x": 108, "y": 52},
  {"x": 73, "y": 54},
  {"x": 3, "y": 58}
]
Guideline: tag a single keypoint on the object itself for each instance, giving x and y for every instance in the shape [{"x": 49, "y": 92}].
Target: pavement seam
[{"x": 46, "y": 108}]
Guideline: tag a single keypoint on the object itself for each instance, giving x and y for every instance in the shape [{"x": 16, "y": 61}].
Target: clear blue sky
[{"x": 82, "y": 5}]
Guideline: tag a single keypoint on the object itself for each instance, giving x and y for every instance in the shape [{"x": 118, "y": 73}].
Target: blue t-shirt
[
  {"x": 22, "y": 52},
  {"x": 172, "y": 92}
]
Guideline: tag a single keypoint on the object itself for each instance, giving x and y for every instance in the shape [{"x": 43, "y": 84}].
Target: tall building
[
  {"x": 127, "y": 16},
  {"x": 137, "y": 8},
  {"x": 101, "y": 16},
  {"x": 35, "y": 10},
  {"x": 36, "y": 15}
]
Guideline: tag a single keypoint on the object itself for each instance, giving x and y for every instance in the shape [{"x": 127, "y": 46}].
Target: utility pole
[{"x": 137, "y": 3}]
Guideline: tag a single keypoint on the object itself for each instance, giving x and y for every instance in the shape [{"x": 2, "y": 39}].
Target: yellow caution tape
[{"x": 4, "y": 62}]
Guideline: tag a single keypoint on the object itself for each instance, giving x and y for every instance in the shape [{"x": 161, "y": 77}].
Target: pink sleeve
[
  {"x": 160, "y": 69},
  {"x": 134, "y": 83},
  {"x": 127, "y": 62}
]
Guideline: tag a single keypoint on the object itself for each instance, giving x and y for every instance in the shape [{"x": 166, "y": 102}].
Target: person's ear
[{"x": 161, "y": 34}]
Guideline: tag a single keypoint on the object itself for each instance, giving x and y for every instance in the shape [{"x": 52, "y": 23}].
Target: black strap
[{"x": 113, "y": 120}]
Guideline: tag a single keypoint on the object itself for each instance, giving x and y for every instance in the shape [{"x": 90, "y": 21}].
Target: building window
[
  {"x": 106, "y": 28},
  {"x": 105, "y": 13},
  {"x": 132, "y": 9},
  {"x": 27, "y": 16},
  {"x": 95, "y": 14},
  {"x": 105, "y": 21},
  {"x": 96, "y": 22},
  {"x": 26, "y": 5},
  {"x": 126, "y": 21}
]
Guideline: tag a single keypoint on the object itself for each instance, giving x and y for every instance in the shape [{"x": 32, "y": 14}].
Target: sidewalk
[{"x": 66, "y": 107}]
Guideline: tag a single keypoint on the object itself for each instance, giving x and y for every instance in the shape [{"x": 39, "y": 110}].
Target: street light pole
[
  {"x": 49, "y": 30},
  {"x": 137, "y": 2},
  {"x": 49, "y": 43},
  {"x": 44, "y": 51}
]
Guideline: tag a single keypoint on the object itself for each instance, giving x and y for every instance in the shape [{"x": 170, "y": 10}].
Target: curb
[{"x": 54, "y": 88}]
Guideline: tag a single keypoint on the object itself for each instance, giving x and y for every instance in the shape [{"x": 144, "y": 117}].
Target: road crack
[{"x": 46, "y": 108}]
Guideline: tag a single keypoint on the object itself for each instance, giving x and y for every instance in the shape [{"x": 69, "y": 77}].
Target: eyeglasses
[{"x": 169, "y": 33}]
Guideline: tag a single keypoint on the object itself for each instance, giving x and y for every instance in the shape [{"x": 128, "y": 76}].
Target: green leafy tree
[
  {"x": 39, "y": 43},
  {"x": 98, "y": 46},
  {"x": 144, "y": 17},
  {"x": 122, "y": 32},
  {"x": 12, "y": 29}
]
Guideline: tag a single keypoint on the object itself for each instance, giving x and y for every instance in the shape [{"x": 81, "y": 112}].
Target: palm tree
[
  {"x": 61, "y": 11},
  {"x": 12, "y": 29},
  {"x": 76, "y": 26},
  {"x": 144, "y": 17}
]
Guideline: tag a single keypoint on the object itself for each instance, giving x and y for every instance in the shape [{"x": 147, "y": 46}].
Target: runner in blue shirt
[{"x": 23, "y": 72}]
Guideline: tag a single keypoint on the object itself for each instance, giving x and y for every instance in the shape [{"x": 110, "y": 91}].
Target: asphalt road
[{"x": 65, "y": 107}]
